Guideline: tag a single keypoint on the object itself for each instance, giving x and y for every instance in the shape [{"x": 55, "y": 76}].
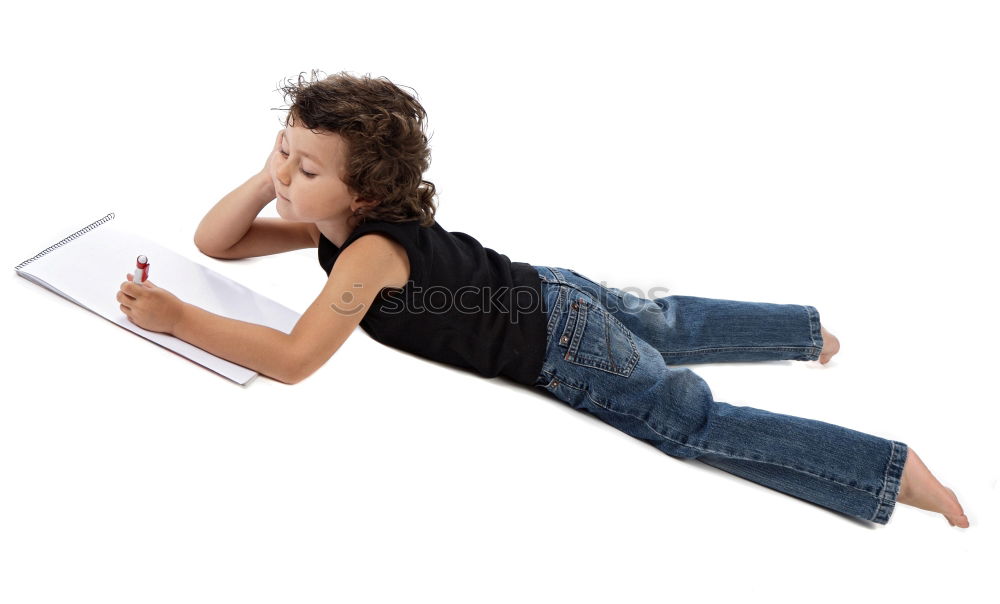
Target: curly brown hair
[{"x": 383, "y": 126}]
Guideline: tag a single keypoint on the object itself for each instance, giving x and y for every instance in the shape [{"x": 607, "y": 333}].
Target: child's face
[{"x": 306, "y": 175}]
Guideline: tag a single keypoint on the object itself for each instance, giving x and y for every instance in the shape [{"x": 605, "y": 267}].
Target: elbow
[
  {"x": 294, "y": 378},
  {"x": 200, "y": 244},
  {"x": 209, "y": 251},
  {"x": 290, "y": 380},
  {"x": 302, "y": 359},
  {"x": 295, "y": 372},
  {"x": 205, "y": 247}
]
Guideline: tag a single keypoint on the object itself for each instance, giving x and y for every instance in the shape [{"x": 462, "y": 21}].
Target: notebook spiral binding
[{"x": 89, "y": 227}]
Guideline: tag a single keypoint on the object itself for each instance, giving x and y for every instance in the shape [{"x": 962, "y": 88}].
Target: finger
[
  {"x": 125, "y": 309},
  {"x": 124, "y": 298},
  {"x": 124, "y": 288}
]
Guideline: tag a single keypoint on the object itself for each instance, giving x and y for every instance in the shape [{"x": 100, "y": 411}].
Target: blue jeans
[{"x": 609, "y": 354}]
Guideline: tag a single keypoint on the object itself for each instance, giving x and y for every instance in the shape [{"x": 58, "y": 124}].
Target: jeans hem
[
  {"x": 815, "y": 332},
  {"x": 893, "y": 480}
]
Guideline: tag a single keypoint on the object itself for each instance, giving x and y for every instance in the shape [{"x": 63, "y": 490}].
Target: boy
[{"x": 347, "y": 173}]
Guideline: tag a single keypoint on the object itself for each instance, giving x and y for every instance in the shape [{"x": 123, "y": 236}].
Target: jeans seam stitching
[
  {"x": 813, "y": 330},
  {"x": 724, "y": 348}
]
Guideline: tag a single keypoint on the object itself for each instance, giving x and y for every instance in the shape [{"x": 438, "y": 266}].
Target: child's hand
[
  {"x": 268, "y": 170},
  {"x": 149, "y": 306}
]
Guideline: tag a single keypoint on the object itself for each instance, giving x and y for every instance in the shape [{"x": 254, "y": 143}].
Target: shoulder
[{"x": 377, "y": 255}]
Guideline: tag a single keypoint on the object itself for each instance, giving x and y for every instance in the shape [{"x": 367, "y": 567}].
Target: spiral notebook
[{"x": 88, "y": 266}]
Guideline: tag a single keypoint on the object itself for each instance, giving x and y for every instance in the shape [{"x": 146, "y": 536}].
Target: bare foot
[
  {"x": 831, "y": 345},
  {"x": 920, "y": 489}
]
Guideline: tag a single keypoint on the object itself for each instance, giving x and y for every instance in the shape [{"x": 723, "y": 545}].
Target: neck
[{"x": 337, "y": 231}]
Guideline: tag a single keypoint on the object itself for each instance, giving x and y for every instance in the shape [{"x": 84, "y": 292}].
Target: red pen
[{"x": 141, "y": 270}]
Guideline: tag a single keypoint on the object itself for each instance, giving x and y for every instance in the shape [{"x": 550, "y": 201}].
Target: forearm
[
  {"x": 230, "y": 219},
  {"x": 257, "y": 347}
]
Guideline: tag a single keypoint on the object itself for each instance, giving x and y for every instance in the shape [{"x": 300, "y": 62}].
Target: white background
[{"x": 842, "y": 155}]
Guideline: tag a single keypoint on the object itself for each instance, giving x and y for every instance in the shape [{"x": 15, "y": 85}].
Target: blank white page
[{"x": 89, "y": 269}]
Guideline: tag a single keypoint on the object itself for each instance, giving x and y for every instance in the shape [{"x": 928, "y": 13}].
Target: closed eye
[{"x": 308, "y": 174}]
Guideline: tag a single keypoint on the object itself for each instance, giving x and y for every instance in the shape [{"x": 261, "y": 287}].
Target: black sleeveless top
[{"x": 464, "y": 305}]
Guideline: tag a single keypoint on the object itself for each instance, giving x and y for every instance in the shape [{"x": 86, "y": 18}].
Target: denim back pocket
[{"x": 592, "y": 337}]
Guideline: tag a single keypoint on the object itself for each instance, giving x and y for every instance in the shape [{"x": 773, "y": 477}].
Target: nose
[{"x": 281, "y": 169}]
